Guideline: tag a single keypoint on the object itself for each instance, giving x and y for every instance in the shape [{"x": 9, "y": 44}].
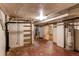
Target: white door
[
  {"x": 60, "y": 35},
  {"x": 55, "y": 34}
]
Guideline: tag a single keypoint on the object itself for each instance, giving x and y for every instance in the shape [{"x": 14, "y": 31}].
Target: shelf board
[
  {"x": 26, "y": 25},
  {"x": 26, "y": 40},
  {"x": 27, "y": 30},
  {"x": 27, "y": 35}
]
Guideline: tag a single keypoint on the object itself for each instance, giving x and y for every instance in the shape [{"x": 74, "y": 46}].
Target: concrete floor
[{"x": 41, "y": 48}]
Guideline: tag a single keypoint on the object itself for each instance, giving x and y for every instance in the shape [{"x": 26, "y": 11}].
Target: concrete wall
[{"x": 2, "y": 35}]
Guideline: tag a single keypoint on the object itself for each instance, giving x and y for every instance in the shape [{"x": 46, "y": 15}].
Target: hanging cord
[{"x": 18, "y": 30}]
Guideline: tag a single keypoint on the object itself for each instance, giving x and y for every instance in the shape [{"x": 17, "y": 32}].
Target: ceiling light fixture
[{"x": 41, "y": 16}]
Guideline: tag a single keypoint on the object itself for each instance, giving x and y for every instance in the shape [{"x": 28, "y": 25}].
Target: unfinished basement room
[{"x": 39, "y": 29}]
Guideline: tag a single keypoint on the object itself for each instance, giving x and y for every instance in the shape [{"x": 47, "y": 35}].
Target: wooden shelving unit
[{"x": 27, "y": 33}]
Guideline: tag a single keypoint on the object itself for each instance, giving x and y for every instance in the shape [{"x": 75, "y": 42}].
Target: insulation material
[
  {"x": 2, "y": 34},
  {"x": 2, "y": 42},
  {"x": 60, "y": 35}
]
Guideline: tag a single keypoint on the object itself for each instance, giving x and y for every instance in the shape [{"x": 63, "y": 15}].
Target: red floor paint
[{"x": 41, "y": 48}]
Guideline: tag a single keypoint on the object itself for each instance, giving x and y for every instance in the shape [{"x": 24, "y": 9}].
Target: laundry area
[{"x": 39, "y": 29}]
